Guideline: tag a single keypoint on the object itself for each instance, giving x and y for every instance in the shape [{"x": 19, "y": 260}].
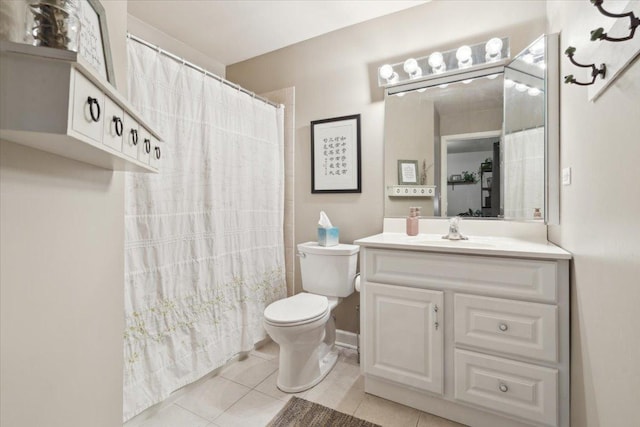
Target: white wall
[
  {"x": 599, "y": 224},
  {"x": 336, "y": 75},
  {"x": 61, "y": 281}
]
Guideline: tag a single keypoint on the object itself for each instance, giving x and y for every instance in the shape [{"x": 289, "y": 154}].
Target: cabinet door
[{"x": 403, "y": 335}]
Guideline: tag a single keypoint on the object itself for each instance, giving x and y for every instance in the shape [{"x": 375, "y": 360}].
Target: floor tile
[
  {"x": 269, "y": 351},
  {"x": 213, "y": 397},
  {"x": 253, "y": 410},
  {"x": 386, "y": 413},
  {"x": 175, "y": 416},
  {"x": 251, "y": 371},
  {"x": 342, "y": 389},
  {"x": 349, "y": 356},
  {"x": 429, "y": 420},
  {"x": 269, "y": 387}
]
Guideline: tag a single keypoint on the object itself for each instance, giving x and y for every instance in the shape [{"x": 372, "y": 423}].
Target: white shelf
[
  {"x": 411, "y": 190},
  {"x": 44, "y": 105}
]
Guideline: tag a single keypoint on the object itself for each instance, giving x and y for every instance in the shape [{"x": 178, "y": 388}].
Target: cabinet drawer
[
  {"x": 113, "y": 125},
  {"x": 503, "y": 277},
  {"x": 157, "y": 151},
  {"x": 131, "y": 138},
  {"x": 520, "y": 389},
  {"x": 87, "y": 100},
  {"x": 145, "y": 145},
  {"x": 521, "y": 328}
]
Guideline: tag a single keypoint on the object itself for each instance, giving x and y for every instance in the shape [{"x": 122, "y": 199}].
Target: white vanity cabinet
[
  {"x": 53, "y": 102},
  {"x": 481, "y": 338}
]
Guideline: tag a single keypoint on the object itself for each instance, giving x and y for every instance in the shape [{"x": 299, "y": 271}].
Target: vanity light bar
[{"x": 441, "y": 64}]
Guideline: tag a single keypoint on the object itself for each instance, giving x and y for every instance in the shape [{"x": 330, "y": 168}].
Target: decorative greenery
[{"x": 469, "y": 176}]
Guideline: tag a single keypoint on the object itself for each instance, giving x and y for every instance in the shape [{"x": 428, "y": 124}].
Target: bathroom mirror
[{"x": 485, "y": 141}]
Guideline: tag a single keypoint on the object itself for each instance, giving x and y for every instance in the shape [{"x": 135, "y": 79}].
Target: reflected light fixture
[
  {"x": 412, "y": 68},
  {"x": 508, "y": 83},
  {"x": 533, "y": 91},
  {"x": 521, "y": 87}
]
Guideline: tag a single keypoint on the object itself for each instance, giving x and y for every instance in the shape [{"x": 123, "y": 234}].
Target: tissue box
[{"x": 328, "y": 236}]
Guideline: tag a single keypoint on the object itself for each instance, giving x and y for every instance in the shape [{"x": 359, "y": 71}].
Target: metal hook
[
  {"x": 595, "y": 71},
  {"x": 599, "y": 34}
]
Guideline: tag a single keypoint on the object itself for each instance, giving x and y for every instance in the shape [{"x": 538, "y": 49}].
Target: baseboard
[{"x": 346, "y": 339}]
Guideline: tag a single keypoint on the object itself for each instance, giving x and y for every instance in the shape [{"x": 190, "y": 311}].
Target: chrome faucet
[{"x": 454, "y": 230}]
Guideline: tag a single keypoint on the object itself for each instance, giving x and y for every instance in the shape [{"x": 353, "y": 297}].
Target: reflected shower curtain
[
  {"x": 523, "y": 169},
  {"x": 204, "y": 238}
]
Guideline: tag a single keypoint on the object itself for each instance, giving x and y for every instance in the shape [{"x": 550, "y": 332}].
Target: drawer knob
[
  {"x": 147, "y": 145},
  {"x": 157, "y": 153},
  {"x": 134, "y": 136},
  {"x": 95, "y": 116},
  {"x": 503, "y": 388},
  {"x": 503, "y": 327},
  {"x": 118, "y": 125}
]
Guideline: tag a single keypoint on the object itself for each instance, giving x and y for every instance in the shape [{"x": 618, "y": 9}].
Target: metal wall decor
[{"x": 599, "y": 34}]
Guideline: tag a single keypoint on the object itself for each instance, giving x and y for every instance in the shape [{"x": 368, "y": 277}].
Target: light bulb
[
  {"x": 386, "y": 72},
  {"x": 401, "y": 94},
  {"x": 492, "y": 76},
  {"x": 443, "y": 86},
  {"x": 412, "y": 68},
  {"x": 467, "y": 81},
  {"x": 538, "y": 47},
  {"x": 542, "y": 65},
  {"x": 463, "y": 55},
  {"x": 521, "y": 87},
  {"x": 422, "y": 89},
  {"x": 533, "y": 91},
  {"x": 436, "y": 62},
  {"x": 508, "y": 83},
  {"x": 528, "y": 58},
  {"x": 493, "y": 49}
]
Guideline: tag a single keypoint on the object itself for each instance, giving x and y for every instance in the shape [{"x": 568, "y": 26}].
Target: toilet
[{"x": 302, "y": 324}]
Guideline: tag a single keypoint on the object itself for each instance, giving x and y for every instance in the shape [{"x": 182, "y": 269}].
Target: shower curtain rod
[{"x": 202, "y": 70}]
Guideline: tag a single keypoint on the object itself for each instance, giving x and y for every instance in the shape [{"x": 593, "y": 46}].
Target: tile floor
[{"x": 245, "y": 395}]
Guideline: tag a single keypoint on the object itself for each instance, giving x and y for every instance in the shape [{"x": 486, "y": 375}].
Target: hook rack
[
  {"x": 595, "y": 71},
  {"x": 599, "y": 34}
]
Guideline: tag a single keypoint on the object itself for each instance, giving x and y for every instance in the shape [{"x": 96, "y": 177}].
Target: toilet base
[{"x": 326, "y": 364}]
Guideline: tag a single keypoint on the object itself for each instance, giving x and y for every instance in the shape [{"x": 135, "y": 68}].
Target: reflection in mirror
[
  {"x": 486, "y": 142},
  {"x": 454, "y": 132}
]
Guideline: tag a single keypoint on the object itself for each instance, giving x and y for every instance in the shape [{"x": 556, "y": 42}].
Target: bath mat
[{"x": 302, "y": 413}]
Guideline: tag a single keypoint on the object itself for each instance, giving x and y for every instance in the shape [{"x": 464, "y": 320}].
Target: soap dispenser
[{"x": 413, "y": 221}]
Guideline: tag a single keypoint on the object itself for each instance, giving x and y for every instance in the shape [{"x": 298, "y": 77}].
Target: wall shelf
[
  {"x": 52, "y": 101},
  {"x": 411, "y": 190}
]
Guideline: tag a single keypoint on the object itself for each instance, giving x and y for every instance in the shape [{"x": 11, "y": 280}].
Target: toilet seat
[{"x": 296, "y": 310}]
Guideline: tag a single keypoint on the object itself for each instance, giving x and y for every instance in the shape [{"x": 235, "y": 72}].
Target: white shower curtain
[
  {"x": 523, "y": 169},
  {"x": 204, "y": 238}
]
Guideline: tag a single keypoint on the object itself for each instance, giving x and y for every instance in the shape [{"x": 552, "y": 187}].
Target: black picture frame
[{"x": 326, "y": 154}]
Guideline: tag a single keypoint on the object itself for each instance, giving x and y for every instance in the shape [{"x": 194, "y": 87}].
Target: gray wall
[
  {"x": 61, "y": 281},
  {"x": 462, "y": 197},
  {"x": 599, "y": 224},
  {"x": 336, "y": 75}
]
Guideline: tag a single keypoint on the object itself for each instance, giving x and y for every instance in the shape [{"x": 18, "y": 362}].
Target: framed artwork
[
  {"x": 94, "y": 39},
  {"x": 407, "y": 172},
  {"x": 335, "y": 155}
]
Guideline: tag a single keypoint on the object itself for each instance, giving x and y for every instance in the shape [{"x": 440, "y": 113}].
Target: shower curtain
[
  {"x": 204, "y": 251},
  {"x": 523, "y": 170}
]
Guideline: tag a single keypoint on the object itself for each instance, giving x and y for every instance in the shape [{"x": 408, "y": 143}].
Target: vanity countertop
[{"x": 476, "y": 245}]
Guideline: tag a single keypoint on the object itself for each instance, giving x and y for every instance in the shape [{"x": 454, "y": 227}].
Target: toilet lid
[{"x": 298, "y": 308}]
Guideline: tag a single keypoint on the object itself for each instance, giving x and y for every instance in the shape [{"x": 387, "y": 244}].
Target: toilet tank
[{"x": 328, "y": 270}]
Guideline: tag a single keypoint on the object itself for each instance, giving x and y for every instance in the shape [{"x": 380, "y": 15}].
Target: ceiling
[{"x": 231, "y": 31}]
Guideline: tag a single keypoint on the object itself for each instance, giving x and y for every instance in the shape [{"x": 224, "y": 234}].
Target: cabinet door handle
[
  {"x": 503, "y": 327},
  {"x": 435, "y": 314},
  {"x": 503, "y": 388},
  {"x": 147, "y": 145},
  {"x": 157, "y": 153},
  {"x": 93, "y": 101},
  {"x": 118, "y": 125},
  {"x": 134, "y": 136}
]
